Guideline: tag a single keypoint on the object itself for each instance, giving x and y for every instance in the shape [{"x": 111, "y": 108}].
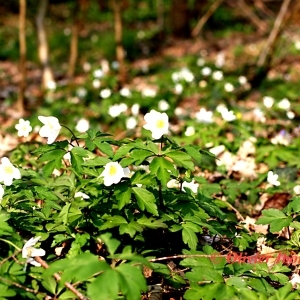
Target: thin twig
[
  {"x": 58, "y": 278},
  {"x": 205, "y": 17}
]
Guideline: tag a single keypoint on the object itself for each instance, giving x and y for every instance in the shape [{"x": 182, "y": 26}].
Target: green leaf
[
  {"x": 131, "y": 228},
  {"x": 52, "y": 155},
  {"x": 194, "y": 152},
  {"x": 295, "y": 204},
  {"x": 151, "y": 223},
  {"x": 181, "y": 158},
  {"x": 161, "y": 168},
  {"x": 50, "y": 166},
  {"x": 98, "y": 161},
  {"x": 123, "y": 194},
  {"x": 132, "y": 281},
  {"x": 123, "y": 151},
  {"x": 104, "y": 147},
  {"x": 5, "y": 229},
  {"x": 50, "y": 284},
  {"x": 189, "y": 236},
  {"x": 76, "y": 161},
  {"x": 113, "y": 221},
  {"x": 5, "y": 291},
  {"x": 111, "y": 243},
  {"x": 276, "y": 218},
  {"x": 105, "y": 286},
  {"x": 145, "y": 200},
  {"x": 236, "y": 281},
  {"x": 139, "y": 156},
  {"x": 63, "y": 215}
]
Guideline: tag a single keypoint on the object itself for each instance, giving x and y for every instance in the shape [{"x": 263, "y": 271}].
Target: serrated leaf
[
  {"x": 131, "y": 228},
  {"x": 151, "y": 223},
  {"x": 104, "y": 147},
  {"x": 50, "y": 166},
  {"x": 189, "y": 236},
  {"x": 76, "y": 162},
  {"x": 194, "y": 152},
  {"x": 161, "y": 168},
  {"x": 123, "y": 151},
  {"x": 145, "y": 200},
  {"x": 139, "y": 156},
  {"x": 111, "y": 243},
  {"x": 52, "y": 155},
  {"x": 132, "y": 281},
  {"x": 113, "y": 221},
  {"x": 105, "y": 286},
  {"x": 123, "y": 194},
  {"x": 181, "y": 158},
  {"x": 98, "y": 161}
]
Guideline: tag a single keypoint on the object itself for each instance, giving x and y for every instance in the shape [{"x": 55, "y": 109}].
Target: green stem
[
  {"x": 73, "y": 135},
  {"x": 12, "y": 244}
]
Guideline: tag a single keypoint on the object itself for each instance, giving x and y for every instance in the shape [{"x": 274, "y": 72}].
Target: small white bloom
[
  {"x": 173, "y": 184},
  {"x": 221, "y": 107},
  {"x": 51, "y": 85},
  {"x": 1, "y": 192},
  {"x": 259, "y": 115},
  {"x": 295, "y": 279},
  {"x": 206, "y": 71},
  {"x": 116, "y": 109},
  {"x": 228, "y": 87},
  {"x": 135, "y": 109},
  {"x": 220, "y": 59},
  {"x": 175, "y": 76},
  {"x": 217, "y": 150},
  {"x": 217, "y": 75},
  {"x": 50, "y": 129},
  {"x": 242, "y": 80},
  {"x": 200, "y": 62},
  {"x": 284, "y": 104},
  {"x": 105, "y": 93},
  {"x": 296, "y": 189},
  {"x": 125, "y": 92},
  {"x": 112, "y": 173},
  {"x": 290, "y": 114},
  {"x": 98, "y": 73},
  {"x": 115, "y": 65},
  {"x": 268, "y": 101},
  {"x": 23, "y": 128},
  {"x": 157, "y": 123},
  {"x": 131, "y": 123},
  {"x": 190, "y": 130},
  {"x": 86, "y": 66},
  {"x": 96, "y": 83},
  {"x": 82, "y": 125},
  {"x": 203, "y": 83},
  {"x": 178, "y": 89},
  {"x": 204, "y": 116},
  {"x": 29, "y": 252},
  {"x": 228, "y": 115},
  {"x": 81, "y": 92},
  {"x": 81, "y": 195},
  {"x": 273, "y": 178},
  {"x": 8, "y": 172},
  {"x": 149, "y": 92},
  {"x": 163, "y": 105},
  {"x": 191, "y": 185},
  {"x": 282, "y": 138},
  {"x": 179, "y": 111},
  {"x": 186, "y": 75}
]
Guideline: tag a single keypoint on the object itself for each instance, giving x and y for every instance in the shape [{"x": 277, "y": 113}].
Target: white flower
[
  {"x": 1, "y": 192},
  {"x": 228, "y": 115},
  {"x": 178, "y": 88},
  {"x": 273, "y": 178},
  {"x": 296, "y": 189},
  {"x": 149, "y": 92},
  {"x": 295, "y": 280},
  {"x": 81, "y": 195},
  {"x": 259, "y": 115},
  {"x": 125, "y": 92},
  {"x": 163, "y": 105},
  {"x": 23, "y": 128},
  {"x": 220, "y": 59},
  {"x": 190, "y": 130},
  {"x": 96, "y": 83},
  {"x": 204, "y": 116},
  {"x": 105, "y": 93},
  {"x": 157, "y": 123},
  {"x": 51, "y": 85},
  {"x": 297, "y": 45},
  {"x": 242, "y": 80},
  {"x": 8, "y": 172},
  {"x": 135, "y": 109},
  {"x": 98, "y": 73},
  {"x": 191, "y": 185},
  {"x": 217, "y": 75},
  {"x": 112, "y": 173},
  {"x": 173, "y": 184},
  {"x": 82, "y": 125},
  {"x": 217, "y": 150},
  {"x": 179, "y": 111},
  {"x": 50, "y": 129},
  {"x": 115, "y": 65},
  {"x": 86, "y": 66},
  {"x": 268, "y": 101},
  {"x": 206, "y": 71},
  {"x": 284, "y": 104},
  {"x": 131, "y": 123},
  {"x": 200, "y": 62},
  {"x": 282, "y": 138},
  {"x": 290, "y": 114},
  {"x": 228, "y": 87},
  {"x": 81, "y": 92},
  {"x": 203, "y": 83},
  {"x": 29, "y": 252},
  {"x": 116, "y": 109}
]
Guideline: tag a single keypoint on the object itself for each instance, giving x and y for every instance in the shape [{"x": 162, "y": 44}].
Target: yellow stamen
[
  {"x": 112, "y": 170},
  {"x": 160, "y": 124}
]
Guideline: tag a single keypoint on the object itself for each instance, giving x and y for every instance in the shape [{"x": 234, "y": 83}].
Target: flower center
[
  {"x": 160, "y": 124},
  {"x": 112, "y": 170},
  {"x": 8, "y": 170}
]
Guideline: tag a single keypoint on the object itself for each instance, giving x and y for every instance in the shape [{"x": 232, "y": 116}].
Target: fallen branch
[{"x": 58, "y": 278}]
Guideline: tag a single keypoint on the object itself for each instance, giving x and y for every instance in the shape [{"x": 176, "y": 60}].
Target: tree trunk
[
  {"x": 180, "y": 19},
  {"x": 47, "y": 75},
  {"x": 119, "y": 43},
  {"x": 22, "y": 40}
]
